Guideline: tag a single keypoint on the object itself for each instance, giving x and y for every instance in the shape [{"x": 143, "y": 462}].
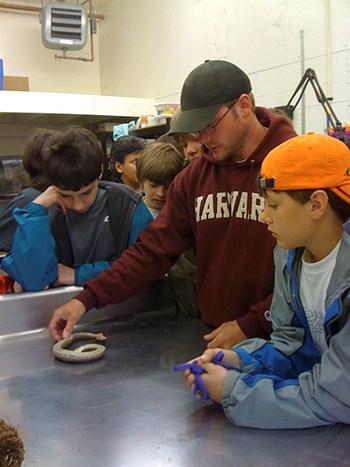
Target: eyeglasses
[{"x": 210, "y": 129}]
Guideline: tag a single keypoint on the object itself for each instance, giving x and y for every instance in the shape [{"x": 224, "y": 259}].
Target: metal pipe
[
  {"x": 34, "y": 9},
  {"x": 302, "y": 65},
  {"x": 328, "y": 47},
  {"x": 83, "y": 59}
]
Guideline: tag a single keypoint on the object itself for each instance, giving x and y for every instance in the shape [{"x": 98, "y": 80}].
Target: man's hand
[
  {"x": 65, "y": 276},
  {"x": 215, "y": 374},
  {"x": 64, "y": 318},
  {"x": 225, "y": 336}
]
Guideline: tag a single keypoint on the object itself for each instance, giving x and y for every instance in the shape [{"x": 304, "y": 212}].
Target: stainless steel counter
[{"x": 130, "y": 409}]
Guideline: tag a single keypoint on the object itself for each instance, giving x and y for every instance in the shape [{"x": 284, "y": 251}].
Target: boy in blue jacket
[
  {"x": 301, "y": 377},
  {"x": 77, "y": 226}
]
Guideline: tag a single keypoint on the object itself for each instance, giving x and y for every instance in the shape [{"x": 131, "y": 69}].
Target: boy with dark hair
[
  {"x": 35, "y": 184},
  {"x": 301, "y": 377},
  {"x": 78, "y": 226},
  {"x": 125, "y": 152}
]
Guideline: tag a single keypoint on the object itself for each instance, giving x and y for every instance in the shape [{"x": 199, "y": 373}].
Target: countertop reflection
[{"x": 130, "y": 409}]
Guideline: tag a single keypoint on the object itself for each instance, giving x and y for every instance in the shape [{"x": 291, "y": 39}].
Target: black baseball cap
[{"x": 205, "y": 89}]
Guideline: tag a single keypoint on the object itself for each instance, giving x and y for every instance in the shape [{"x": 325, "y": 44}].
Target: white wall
[
  {"x": 24, "y": 55},
  {"x": 148, "y": 48}
]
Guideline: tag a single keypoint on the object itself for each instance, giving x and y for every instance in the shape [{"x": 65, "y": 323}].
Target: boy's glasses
[{"x": 210, "y": 129}]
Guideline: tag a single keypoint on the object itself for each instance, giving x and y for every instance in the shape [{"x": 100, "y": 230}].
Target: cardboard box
[{"x": 16, "y": 83}]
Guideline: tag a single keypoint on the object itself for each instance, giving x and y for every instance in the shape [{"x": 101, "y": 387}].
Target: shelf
[
  {"x": 37, "y": 108},
  {"x": 152, "y": 131}
]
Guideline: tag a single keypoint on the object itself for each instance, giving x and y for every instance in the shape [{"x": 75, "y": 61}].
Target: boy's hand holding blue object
[{"x": 199, "y": 388}]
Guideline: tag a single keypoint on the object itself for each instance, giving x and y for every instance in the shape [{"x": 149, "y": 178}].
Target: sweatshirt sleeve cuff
[
  {"x": 87, "y": 298},
  {"x": 251, "y": 326},
  {"x": 229, "y": 382},
  {"x": 36, "y": 208}
]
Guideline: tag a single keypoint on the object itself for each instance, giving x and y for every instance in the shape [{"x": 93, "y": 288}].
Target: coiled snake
[{"x": 83, "y": 353}]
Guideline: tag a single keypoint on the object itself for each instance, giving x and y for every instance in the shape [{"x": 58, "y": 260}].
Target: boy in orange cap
[{"x": 301, "y": 377}]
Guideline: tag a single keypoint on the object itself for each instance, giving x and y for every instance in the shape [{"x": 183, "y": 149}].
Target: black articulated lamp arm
[{"x": 310, "y": 77}]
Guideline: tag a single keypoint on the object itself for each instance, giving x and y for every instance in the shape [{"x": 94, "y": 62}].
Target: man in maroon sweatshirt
[{"x": 213, "y": 205}]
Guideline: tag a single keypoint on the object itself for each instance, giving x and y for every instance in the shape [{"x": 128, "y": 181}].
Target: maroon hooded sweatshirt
[{"x": 215, "y": 207}]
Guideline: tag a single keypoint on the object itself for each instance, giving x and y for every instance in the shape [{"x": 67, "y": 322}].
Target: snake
[{"x": 83, "y": 353}]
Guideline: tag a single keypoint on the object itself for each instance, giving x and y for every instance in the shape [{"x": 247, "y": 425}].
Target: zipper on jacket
[{"x": 296, "y": 302}]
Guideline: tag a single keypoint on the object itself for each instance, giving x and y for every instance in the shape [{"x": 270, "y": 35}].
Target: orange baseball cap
[{"x": 306, "y": 162}]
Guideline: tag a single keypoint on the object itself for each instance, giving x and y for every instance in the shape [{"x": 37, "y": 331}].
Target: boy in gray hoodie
[{"x": 301, "y": 377}]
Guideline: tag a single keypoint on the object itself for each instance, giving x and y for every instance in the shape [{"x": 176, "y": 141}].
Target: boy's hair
[
  {"x": 122, "y": 147},
  {"x": 307, "y": 163},
  {"x": 73, "y": 159},
  {"x": 33, "y": 158},
  {"x": 160, "y": 163},
  {"x": 166, "y": 138},
  {"x": 339, "y": 206}
]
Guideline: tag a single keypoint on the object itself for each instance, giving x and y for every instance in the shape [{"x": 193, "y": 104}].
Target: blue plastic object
[{"x": 197, "y": 371}]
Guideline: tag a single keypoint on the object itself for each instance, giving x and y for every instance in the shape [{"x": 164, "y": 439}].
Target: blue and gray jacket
[
  {"x": 43, "y": 239},
  {"x": 286, "y": 382}
]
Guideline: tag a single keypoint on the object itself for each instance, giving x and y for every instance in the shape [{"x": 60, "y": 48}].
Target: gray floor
[{"x": 130, "y": 409}]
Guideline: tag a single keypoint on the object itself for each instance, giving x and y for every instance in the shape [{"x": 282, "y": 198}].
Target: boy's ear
[
  {"x": 101, "y": 173},
  {"x": 319, "y": 199},
  {"x": 118, "y": 167}
]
